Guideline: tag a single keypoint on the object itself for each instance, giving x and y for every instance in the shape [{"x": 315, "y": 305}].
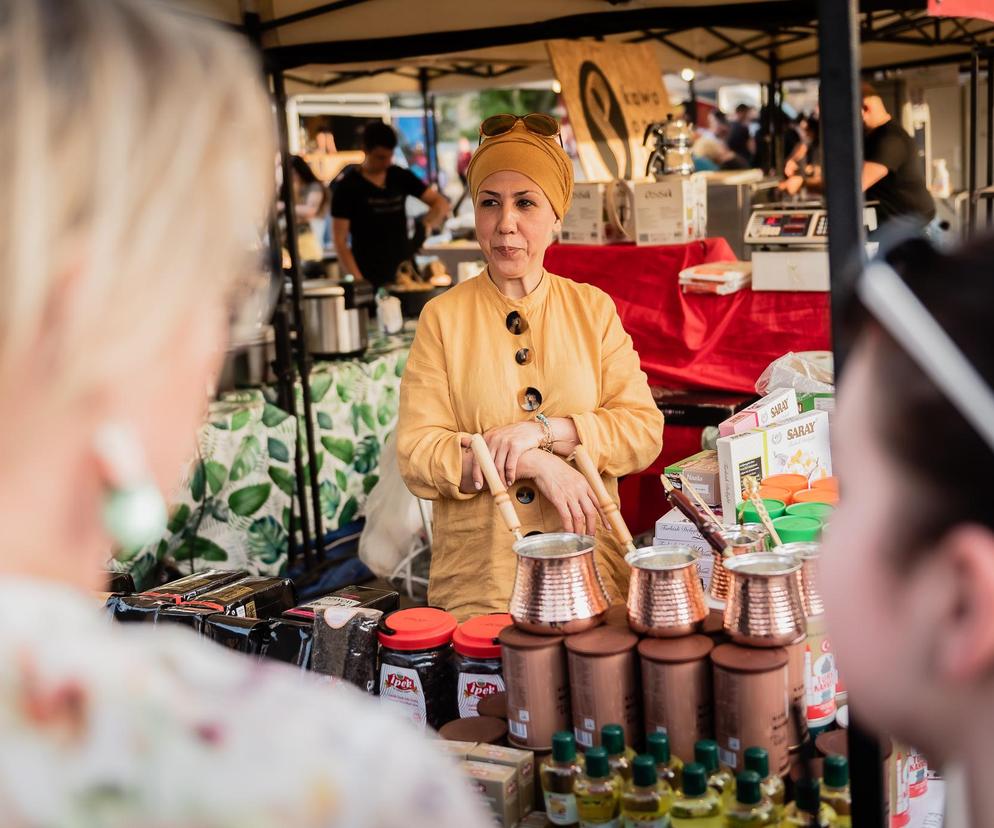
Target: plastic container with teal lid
[
  {"x": 793, "y": 529},
  {"x": 746, "y": 512},
  {"x": 819, "y": 511}
]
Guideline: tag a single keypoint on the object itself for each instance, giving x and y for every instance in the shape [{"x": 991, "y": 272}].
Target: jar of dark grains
[
  {"x": 479, "y": 669},
  {"x": 416, "y": 669}
]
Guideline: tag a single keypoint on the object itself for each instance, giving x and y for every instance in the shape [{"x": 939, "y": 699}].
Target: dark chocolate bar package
[
  {"x": 346, "y": 645},
  {"x": 250, "y": 597},
  {"x": 289, "y": 640},
  {"x": 145, "y": 605},
  {"x": 247, "y": 635},
  {"x": 135, "y": 607},
  {"x": 187, "y": 615},
  {"x": 384, "y": 600}
]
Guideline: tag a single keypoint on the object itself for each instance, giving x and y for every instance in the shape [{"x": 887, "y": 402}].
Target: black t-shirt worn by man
[
  {"x": 377, "y": 219},
  {"x": 902, "y": 192}
]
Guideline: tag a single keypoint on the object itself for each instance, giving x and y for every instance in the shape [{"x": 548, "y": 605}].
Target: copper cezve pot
[
  {"x": 764, "y": 602},
  {"x": 665, "y": 598}
]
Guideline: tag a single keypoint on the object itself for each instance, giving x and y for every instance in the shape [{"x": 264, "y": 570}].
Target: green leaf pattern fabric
[{"x": 234, "y": 505}]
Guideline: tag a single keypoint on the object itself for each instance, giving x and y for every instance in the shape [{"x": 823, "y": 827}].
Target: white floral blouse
[{"x": 106, "y": 725}]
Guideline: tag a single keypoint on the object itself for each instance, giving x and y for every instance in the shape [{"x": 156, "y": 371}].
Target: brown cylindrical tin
[
  {"x": 764, "y": 605},
  {"x": 604, "y": 684},
  {"x": 536, "y": 676},
  {"x": 750, "y": 693},
  {"x": 808, "y": 554},
  {"x": 795, "y": 688},
  {"x": 677, "y": 690},
  {"x": 557, "y": 588},
  {"x": 665, "y": 599},
  {"x": 486, "y": 730},
  {"x": 493, "y": 705},
  {"x": 741, "y": 541}
]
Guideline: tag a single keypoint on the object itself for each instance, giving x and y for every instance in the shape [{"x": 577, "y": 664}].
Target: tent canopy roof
[{"x": 455, "y": 45}]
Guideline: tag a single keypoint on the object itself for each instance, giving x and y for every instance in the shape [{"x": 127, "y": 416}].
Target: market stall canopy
[{"x": 455, "y": 45}]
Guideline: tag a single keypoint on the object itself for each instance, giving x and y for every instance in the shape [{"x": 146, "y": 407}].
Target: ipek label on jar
[
  {"x": 473, "y": 687},
  {"x": 560, "y": 809},
  {"x": 401, "y": 686}
]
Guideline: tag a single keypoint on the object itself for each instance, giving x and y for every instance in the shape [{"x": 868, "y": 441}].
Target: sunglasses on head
[{"x": 535, "y": 122}]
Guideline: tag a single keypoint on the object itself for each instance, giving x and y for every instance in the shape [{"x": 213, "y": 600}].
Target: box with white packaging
[
  {"x": 674, "y": 529},
  {"x": 775, "y": 407},
  {"x": 584, "y": 221},
  {"x": 799, "y": 445},
  {"x": 667, "y": 211}
]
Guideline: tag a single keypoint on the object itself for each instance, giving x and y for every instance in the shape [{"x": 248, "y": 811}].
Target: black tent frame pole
[
  {"x": 426, "y": 123},
  {"x": 971, "y": 224},
  {"x": 838, "y": 46},
  {"x": 303, "y": 369},
  {"x": 990, "y": 134},
  {"x": 776, "y": 119}
]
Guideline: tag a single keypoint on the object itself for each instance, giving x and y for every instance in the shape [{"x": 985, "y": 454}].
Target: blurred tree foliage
[{"x": 519, "y": 101}]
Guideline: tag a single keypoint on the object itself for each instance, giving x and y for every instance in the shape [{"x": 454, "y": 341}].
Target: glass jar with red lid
[
  {"x": 416, "y": 669},
  {"x": 479, "y": 668}
]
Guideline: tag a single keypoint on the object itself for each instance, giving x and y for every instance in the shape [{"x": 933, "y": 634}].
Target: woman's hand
[
  {"x": 564, "y": 487},
  {"x": 508, "y": 443}
]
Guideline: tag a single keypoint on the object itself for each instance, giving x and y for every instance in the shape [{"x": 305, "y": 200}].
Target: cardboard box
[
  {"x": 800, "y": 445},
  {"x": 791, "y": 270},
  {"x": 669, "y": 210},
  {"x": 522, "y": 760},
  {"x": 816, "y": 402},
  {"x": 673, "y": 528},
  {"x": 584, "y": 221},
  {"x": 775, "y": 407},
  {"x": 704, "y": 475},
  {"x": 458, "y": 750},
  {"x": 498, "y": 785}
]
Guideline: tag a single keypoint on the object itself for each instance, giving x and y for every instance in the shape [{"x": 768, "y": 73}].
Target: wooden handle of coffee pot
[
  {"x": 607, "y": 504},
  {"x": 497, "y": 489}
]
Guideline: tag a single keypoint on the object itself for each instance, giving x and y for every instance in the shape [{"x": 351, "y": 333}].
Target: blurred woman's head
[
  {"x": 119, "y": 247},
  {"x": 909, "y": 562}
]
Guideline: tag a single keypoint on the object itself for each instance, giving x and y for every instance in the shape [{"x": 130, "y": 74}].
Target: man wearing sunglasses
[{"x": 892, "y": 171}]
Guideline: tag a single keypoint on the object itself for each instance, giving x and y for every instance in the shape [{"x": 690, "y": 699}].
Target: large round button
[
  {"x": 525, "y": 495},
  {"x": 530, "y": 399},
  {"x": 523, "y": 356},
  {"x": 516, "y": 323}
]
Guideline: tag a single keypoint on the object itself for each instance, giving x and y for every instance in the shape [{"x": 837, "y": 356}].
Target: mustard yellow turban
[{"x": 543, "y": 160}]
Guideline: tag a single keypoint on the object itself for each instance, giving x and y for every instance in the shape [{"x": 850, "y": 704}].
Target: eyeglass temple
[{"x": 884, "y": 293}]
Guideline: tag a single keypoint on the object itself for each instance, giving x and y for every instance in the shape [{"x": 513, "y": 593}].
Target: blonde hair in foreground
[{"x": 136, "y": 160}]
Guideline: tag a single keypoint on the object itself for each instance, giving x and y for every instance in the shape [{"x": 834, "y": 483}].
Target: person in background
[
  {"x": 123, "y": 254},
  {"x": 369, "y": 212},
  {"x": 311, "y": 202},
  {"x": 463, "y": 158},
  {"x": 710, "y": 153},
  {"x": 718, "y": 124},
  {"x": 907, "y": 567},
  {"x": 803, "y": 167},
  {"x": 740, "y": 138},
  {"x": 893, "y": 173}
]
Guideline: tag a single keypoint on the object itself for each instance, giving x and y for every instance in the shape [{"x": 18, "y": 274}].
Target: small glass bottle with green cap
[
  {"x": 807, "y": 810},
  {"x": 668, "y": 767},
  {"x": 620, "y": 756},
  {"x": 598, "y": 792},
  {"x": 835, "y": 790},
  {"x": 558, "y": 774},
  {"x": 758, "y": 760},
  {"x": 720, "y": 779},
  {"x": 646, "y": 801},
  {"x": 749, "y": 809},
  {"x": 698, "y": 805}
]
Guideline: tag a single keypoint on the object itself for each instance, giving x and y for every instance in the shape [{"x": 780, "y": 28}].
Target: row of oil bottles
[{"x": 612, "y": 787}]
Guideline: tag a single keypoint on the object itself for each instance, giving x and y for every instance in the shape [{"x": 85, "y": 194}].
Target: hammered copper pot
[
  {"x": 741, "y": 540},
  {"x": 557, "y": 588},
  {"x": 807, "y": 578},
  {"x": 764, "y": 603},
  {"x": 665, "y": 598}
]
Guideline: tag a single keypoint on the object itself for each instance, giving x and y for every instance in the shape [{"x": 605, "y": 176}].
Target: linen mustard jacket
[{"x": 462, "y": 378}]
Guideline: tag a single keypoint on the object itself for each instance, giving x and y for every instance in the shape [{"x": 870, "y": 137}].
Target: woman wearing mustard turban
[{"x": 533, "y": 361}]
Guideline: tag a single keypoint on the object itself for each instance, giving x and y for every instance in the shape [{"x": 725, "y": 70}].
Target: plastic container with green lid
[
  {"x": 818, "y": 511},
  {"x": 793, "y": 529},
  {"x": 746, "y": 512}
]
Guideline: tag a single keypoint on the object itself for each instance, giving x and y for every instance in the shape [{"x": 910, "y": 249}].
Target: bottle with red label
[
  {"x": 917, "y": 774},
  {"x": 478, "y": 665},
  {"x": 821, "y": 676}
]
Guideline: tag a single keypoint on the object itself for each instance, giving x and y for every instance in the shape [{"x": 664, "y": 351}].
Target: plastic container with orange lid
[
  {"x": 790, "y": 482},
  {"x": 775, "y": 493},
  {"x": 830, "y": 483},
  {"x": 416, "y": 669},
  {"x": 817, "y": 496},
  {"x": 479, "y": 668}
]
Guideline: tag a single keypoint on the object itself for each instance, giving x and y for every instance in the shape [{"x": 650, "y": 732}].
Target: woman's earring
[{"x": 134, "y": 513}]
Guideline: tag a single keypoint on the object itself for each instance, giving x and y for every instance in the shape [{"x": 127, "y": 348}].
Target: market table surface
[{"x": 693, "y": 340}]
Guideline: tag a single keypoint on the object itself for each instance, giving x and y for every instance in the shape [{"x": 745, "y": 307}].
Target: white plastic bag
[
  {"x": 394, "y": 522},
  {"x": 809, "y": 372}
]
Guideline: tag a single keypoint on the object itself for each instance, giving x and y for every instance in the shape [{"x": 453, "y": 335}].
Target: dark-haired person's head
[
  {"x": 378, "y": 141},
  {"x": 908, "y": 564},
  {"x": 874, "y": 110}
]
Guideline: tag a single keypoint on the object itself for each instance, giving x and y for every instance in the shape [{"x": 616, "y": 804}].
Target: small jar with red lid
[
  {"x": 479, "y": 668},
  {"x": 416, "y": 669}
]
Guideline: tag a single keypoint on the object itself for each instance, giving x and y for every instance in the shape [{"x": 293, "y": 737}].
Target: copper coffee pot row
[{"x": 558, "y": 589}]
